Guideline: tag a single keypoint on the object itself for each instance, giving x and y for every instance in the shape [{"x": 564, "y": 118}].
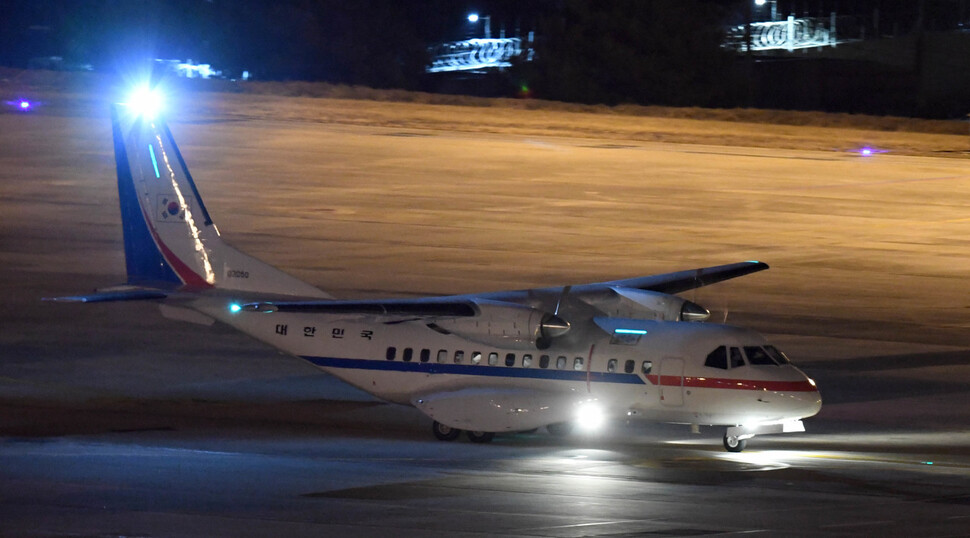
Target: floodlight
[{"x": 146, "y": 102}]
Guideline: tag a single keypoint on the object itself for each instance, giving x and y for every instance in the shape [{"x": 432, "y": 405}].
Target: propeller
[
  {"x": 689, "y": 316},
  {"x": 553, "y": 326}
]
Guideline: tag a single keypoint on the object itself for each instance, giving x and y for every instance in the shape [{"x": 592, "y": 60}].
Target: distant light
[
  {"x": 24, "y": 104},
  {"x": 234, "y": 307},
  {"x": 868, "y": 151},
  {"x": 629, "y": 331},
  {"x": 473, "y": 17},
  {"x": 760, "y": 2},
  {"x": 928, "y": 462},
  {"x": 145, "y": 101}
]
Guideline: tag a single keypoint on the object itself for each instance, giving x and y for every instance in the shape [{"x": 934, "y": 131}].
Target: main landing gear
[
  {"x": 444, "y": 433},
  {"x": 447, "y": 433},
  {"x": 734, "y": 444}
]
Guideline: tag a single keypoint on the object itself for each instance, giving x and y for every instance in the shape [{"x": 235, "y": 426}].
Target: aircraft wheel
[
  {"x": 444, "y": 433},
  {"x": 480, "y": 437},
  {"x": 560, "y": 429},
  {"x": 733, "y": 444}
]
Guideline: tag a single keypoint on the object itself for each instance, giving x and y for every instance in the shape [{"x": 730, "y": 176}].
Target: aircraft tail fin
[{"x": 170, "y": 239}]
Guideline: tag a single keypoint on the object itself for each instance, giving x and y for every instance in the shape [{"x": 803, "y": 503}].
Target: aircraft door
[{"x": 672, "y": 381}]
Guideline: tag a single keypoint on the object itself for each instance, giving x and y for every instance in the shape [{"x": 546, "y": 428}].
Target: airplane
[{"x": 483, "y": 364}]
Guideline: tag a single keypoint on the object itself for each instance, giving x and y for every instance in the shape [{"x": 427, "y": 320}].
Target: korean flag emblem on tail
[{"x": 169, "y": 209}]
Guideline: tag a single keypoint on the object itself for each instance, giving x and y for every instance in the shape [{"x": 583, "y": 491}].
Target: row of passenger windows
[
  {"x": 475, "y": 357},
  {"x": 724, "y": 357}
]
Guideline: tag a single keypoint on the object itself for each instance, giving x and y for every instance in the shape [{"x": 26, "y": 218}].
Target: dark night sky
[{"x": 611, "y": 51}]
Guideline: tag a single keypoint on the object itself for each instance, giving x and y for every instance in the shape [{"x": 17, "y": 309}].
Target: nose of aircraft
[{"x": 809, "y": 400}]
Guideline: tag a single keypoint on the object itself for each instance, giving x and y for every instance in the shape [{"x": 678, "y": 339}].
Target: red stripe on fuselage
[
  {"x": 188, "y": 276},
  {"x": 732, "y": 384}
]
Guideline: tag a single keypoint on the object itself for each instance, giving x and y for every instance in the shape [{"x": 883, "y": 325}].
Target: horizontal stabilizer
[{"x": 121, "y": 294}]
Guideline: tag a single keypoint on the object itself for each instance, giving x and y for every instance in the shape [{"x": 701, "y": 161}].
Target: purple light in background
[
  {"x": 24, "y": 104},
  {"x": 866, "y": 152}
]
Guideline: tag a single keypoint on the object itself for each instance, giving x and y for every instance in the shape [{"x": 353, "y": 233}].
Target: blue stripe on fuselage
[
  {"x": 470, "y": 369},
  {"x": 143, "y": 261}
]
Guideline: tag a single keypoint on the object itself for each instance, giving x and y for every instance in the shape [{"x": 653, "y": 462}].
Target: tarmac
[{"x": 117, "y": 422}]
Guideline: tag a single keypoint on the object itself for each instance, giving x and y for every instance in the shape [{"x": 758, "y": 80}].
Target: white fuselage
[{"x": 659, "y": 375}]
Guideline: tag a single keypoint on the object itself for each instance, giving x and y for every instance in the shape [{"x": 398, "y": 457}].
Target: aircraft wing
[
  {"x": 417, "y": 308},
  {"x": 679, "y": 281},
  {"x": 459, "y": 306}
]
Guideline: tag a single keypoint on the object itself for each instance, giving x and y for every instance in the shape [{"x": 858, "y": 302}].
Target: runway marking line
[{"x": 872, "y": 459}]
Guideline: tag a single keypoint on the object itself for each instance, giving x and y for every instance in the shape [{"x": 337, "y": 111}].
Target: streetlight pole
[{"x": 473, "y": 18}]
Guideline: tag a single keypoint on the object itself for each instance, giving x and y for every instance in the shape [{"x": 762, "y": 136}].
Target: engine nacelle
[
  {"x": 640, "y": 304},
  {"x": 508, "y": 325}
]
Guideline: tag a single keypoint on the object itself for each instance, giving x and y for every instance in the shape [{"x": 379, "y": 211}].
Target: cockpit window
[
  {"x": 779, "y": 357},
  {"x": 758, "y": 356},
  {"x": 737, "y": 360},
  {"x": 717, "y": 358}
]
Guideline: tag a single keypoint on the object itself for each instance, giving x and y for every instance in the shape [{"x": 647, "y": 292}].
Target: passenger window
[
  {"x": 611, "y": 366},
  {"x": 646, "y": 367},
  {"x": 737, "y": 360},
  {"x": 459, "y": 356},
  {"x": 510, "y": 359},
  {"x": 526, "y": 361},
  {"x": 717, "y": 358},
  {"x": 408, "y": 352},
  {"x": 492, "y": 358},
  {"x": 425, "y": 355},
  {"x": 544, "y": 361},
  {"x": 442, "y": 355},
  {"x": 391, "y": 353},
  {"x": 560, "y": 362},
  {"x": 758, "y": 356},
  {"x": 578, "y": 363},
  {"x": 476, "y": 357},
  {"x": 779, "y": 357},
  {"x": 628, "y": 366}
]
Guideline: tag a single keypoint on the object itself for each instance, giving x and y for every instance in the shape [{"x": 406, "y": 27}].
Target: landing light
[
  {"x": 234, "y": 307},
  {"x": 590, "y": 416}
]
